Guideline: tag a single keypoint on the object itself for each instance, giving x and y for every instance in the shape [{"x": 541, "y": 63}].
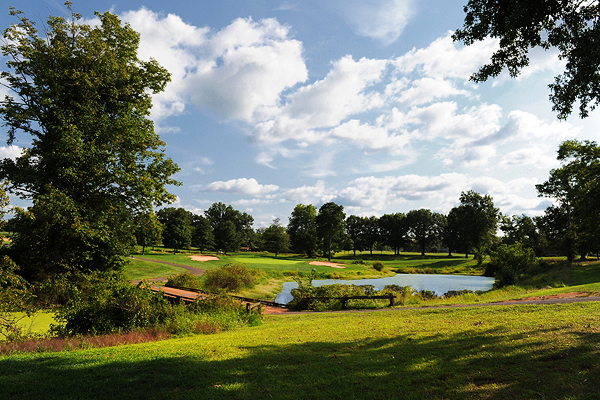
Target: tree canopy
[
  {"x": 330, "y": 226},
  {"x": 576, "y": 187},
  {"x": 81, "y": 98},
  {"x": 571, "y": 26},
  {"x": 302, "y": 228}
]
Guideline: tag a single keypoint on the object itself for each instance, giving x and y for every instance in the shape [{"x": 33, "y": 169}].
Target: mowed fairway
[{"x": 501, "y": 352}]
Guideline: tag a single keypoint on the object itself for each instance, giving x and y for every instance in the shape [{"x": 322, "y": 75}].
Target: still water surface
[{"x": 439, "y": 284}]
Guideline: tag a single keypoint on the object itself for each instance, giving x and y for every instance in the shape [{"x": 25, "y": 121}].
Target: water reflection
[{"x": 439, "y": 284}]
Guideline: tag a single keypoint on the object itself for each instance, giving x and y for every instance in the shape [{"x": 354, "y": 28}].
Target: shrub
[
  {"x": 109, "y": 303},
  {"x": 230, "y": 277},
  {"x": 428, "y": 295},
  {"x": 185, "y": 280},
  {"x": 403, "y": 293},
  {"x": 510, "y": 263},
  {"x": 328, "y": 297},
  {"x": 16, "y": 301},
  {"x": 454, "y": 293},
  {"x": 378, "y": 266}
]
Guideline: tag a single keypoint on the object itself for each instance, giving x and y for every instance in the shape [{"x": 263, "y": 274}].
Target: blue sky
[{"x": 364, "y": 103}]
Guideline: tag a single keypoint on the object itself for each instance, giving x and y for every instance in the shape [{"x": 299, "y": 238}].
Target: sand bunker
[
  {"x": 204, "y": 258},
  {"x": 327, "y": 264}
]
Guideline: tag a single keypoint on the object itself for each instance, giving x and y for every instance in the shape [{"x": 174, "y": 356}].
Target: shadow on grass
[
  {"x": 400, "y": 257},
  {"x": 473, "y": 364}
]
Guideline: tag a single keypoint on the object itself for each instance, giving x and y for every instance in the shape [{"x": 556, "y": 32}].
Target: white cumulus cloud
[{"x": 245, "y": 186}]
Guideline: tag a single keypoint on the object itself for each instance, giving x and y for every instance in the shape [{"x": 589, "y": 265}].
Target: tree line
[{"x": 569, "y": 227}]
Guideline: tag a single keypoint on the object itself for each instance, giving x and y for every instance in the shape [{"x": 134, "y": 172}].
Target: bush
[
  {"x": 510, "y": 263},
  {"x": 330, "y": 297},
  {"x": 428, "y": 295},
  {"x": 185, "y": 280},
  {"x": 378, "y": 266},
  {"x": 231, "y": 277},
  {"x": 109, "y": 303},
  {"x": 403, "y": 293},
  {"x": 454, "y": 293},
  {"x": 16, "y": 301}
]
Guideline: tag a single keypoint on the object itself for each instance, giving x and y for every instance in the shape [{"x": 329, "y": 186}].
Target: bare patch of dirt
[
  {"x": 274, "y": 310},
  {"x": 204, "y": 258},
  {"x": 555, "y": 296},
  {"x": 327, "y": 264}
]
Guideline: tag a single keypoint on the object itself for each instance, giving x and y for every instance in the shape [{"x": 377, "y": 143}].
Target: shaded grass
[{"x": 516, "y": 352}]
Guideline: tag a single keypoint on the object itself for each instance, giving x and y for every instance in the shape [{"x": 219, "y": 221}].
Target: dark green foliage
[
  {"x": 108, "y": 302},
  {"x": 574, "y": 224},
  {"x": 230, "y": 277},
  {"x": 16, "y": 295},
  {"x": 80, "y": 102},
  {"x": 231, "y": 228},
  {"x": 424, "y": 227},
  {"x": 202, "y": 233},
  {"x": 275, "y": 239},
  {"x": 177, "y": 228},
  {"x": 330, "y": 227},
  {"x": 185, "y": 280},
  {"x": 147, "y": 230},
  {"x": 302, "y": 228},
  {"x": 454, "y": 293},
  {"x": 403, "y": 293},
  {"x": 511, "y": 263},
  {"x": 569, "y": 26},
  {"x": 378, "y": 266},
  {"x": 472, "y": 224},
  {"x": 428, "y": 295},
  {"x": 331, "y": 297},
  {"x": 103, "y": 303},
  {"x": 393, "y": 230}
]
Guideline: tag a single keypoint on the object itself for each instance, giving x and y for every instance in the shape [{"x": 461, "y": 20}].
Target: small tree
[{"x": 510, "y": 263}]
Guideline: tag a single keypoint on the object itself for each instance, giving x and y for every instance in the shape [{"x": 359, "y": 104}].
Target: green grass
[
  {"x": 138, "y": 270},
  {"x": 514, "y": 352},
  {"x": 489, "y": 352}
]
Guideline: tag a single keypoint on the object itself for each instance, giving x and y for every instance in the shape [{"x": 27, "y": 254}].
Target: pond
[{"x": 439, "y": 284}]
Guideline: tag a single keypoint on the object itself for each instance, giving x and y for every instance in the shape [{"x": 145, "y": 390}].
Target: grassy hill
[{"x": 485, "y": 352}]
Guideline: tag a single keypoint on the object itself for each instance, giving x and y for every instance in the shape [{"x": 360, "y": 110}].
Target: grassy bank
[{"x": 517, "y": 352}]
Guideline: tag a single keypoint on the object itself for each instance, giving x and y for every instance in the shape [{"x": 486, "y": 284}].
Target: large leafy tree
[
  {"x": 330, "y": 226},
  {"x": 202, "y": 233},
  {"x": 302, "y": 229},
  {"x": 393, "y": 230},
  {"x": 473, "y": 222},
  {"x": 576, "y": 187},
  {"x": 231, "y": 228},
  {"x": 424, "y": 227},
  {"x": 355, "y": 227},
  {"x": 275, "y": 239},
  {"x": 571, "y": 26},
  {"x": 80, "y": 99},
  {"x": 177, "y": 227},
  {"x": 147, "y": 230}
]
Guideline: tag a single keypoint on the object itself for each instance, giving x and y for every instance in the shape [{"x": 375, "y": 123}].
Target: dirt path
[
  {"x": 565, "y": 298},
  {"x": 192, "y": 270}
]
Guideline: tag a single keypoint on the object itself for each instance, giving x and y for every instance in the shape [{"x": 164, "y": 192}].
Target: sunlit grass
[{"x": 516, "y": 352}]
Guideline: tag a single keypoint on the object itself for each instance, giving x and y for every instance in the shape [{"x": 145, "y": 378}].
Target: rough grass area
[{"x": 513, "y": 352}]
